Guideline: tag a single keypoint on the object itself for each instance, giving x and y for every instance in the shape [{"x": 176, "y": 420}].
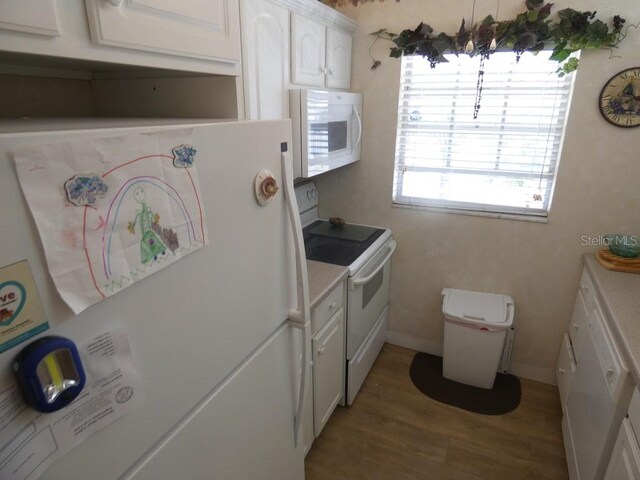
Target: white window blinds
[{"x": 505, "y": 161}]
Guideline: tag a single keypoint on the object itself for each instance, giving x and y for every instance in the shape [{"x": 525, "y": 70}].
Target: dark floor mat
[{"x": 426, "y": 375}]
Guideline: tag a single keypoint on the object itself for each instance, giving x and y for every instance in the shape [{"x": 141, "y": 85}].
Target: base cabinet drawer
[
  {"x": 327, "y": 308},
  {"x": 565, "y": 369}
]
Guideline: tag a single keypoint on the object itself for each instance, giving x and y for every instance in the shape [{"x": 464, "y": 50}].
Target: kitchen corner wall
[{"x": 597, "y": 192}]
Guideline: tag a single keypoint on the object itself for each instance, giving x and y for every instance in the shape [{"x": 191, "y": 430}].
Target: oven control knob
[{"x": 266, "y": 187}]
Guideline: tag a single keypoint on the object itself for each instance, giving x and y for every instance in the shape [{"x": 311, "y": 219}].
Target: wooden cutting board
[{"x": 618, "y": 264}]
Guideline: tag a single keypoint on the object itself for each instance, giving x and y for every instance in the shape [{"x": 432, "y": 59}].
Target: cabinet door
[
  {"x": 30, "y": 16},
  {"x": 208, "y": 29},
  {"x": 308, "y": 40},
  {"x": 338, "y": 59},
  {"x": 265, "y": 37},
  {"x": 565, "y": 370},
  {"x": 307, "y": 410},
  {"x": 625, "y": 458},
  {"x": 578, "y": 325},
  {"x": 328, "y": 370}
]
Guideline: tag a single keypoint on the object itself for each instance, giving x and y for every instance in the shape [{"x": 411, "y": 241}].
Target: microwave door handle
[
  {"x": 356, "y": 282},
  {"x": 355, "y": 112}
]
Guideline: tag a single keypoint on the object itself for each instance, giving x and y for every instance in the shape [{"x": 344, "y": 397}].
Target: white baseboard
[
  {"x": 414, "y": 343},
  {"x": 543, "y": 375}
]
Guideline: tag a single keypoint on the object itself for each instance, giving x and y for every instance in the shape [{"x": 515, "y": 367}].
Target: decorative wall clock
[{"x": 620, "y": 98}]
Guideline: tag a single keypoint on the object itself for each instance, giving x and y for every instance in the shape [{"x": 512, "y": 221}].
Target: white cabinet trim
[{"x": 320, "y": 13}]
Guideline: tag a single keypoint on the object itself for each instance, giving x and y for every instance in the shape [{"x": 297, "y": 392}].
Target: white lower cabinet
[
  {"x": 565, "y": 369},
  {"x": 625, "y": 458},
  {"x": 579, "y": 316},
  {"x": 328, "y": 370},
  {"x": 567, "y": 358}
]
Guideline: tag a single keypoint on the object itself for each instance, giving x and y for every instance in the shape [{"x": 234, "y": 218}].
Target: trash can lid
[{"x": 477, "y": 308}]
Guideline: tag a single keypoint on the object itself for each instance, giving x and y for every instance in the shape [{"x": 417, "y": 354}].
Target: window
[{"x": 506, "y": 160}]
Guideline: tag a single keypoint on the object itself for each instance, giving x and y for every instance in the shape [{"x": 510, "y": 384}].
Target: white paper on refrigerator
[{"x": 112, "y": 211}]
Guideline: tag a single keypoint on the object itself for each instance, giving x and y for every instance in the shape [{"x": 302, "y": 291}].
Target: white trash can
[{"x": 475, "y": 329}]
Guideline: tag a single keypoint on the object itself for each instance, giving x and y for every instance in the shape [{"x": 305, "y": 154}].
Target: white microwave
[{"x": 327, "y": 130}]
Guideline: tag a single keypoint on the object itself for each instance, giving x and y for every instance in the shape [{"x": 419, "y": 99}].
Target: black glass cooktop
[{"x": 327, "y": 243}]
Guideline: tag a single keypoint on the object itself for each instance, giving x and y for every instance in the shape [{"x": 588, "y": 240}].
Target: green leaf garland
[{"x": 531, "y": 31}]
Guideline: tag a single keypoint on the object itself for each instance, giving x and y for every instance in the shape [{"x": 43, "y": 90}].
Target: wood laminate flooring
[{"x": 394, "y": 432}]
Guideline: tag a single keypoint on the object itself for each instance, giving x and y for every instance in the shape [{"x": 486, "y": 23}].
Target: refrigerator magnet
[{"x": 21, "y": 312}]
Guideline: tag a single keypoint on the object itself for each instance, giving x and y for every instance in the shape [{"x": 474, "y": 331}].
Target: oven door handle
[{"x": 356, "y": 282}]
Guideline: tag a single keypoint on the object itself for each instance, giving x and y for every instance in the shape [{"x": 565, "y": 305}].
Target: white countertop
[
  {"x": 323, "y": 278},
  {"x": 620, "y": 295}
]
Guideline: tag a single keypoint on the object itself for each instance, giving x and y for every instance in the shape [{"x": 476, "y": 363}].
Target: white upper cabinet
[
  {"x": 287, "y": 44},
  {"x": 29, "y": 16},
  {"x": 265, "y": 57},
  {"x": 308, "y": 40},
  {"x": 338, "y": 59},
  {"x": 207, "y": 29},
  {"x": 321, "y": 56}
]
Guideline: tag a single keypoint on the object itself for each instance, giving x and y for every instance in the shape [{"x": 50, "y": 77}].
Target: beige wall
[{"x": 597, "y": 192}]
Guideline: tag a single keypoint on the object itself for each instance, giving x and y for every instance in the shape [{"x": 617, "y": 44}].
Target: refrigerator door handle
[{"x": 299, "y": 318}]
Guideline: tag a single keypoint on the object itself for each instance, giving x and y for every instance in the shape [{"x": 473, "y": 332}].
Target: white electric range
[{"x": 366, "y": 252}]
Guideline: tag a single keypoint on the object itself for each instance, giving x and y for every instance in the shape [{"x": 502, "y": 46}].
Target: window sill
[{"x": 475, "y": 213}]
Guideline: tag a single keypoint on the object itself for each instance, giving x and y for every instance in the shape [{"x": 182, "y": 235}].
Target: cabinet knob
[
  {"x": 560, "y": 371},
  {"x": 330, "y": 71},
  {"x": 321, "y": 350},
  {"x": 333, "y": 305},
  {"x": 115, "y": 3}
]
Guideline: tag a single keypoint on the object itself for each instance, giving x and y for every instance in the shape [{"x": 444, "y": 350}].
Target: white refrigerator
[{"x": 215, "y": 337}]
